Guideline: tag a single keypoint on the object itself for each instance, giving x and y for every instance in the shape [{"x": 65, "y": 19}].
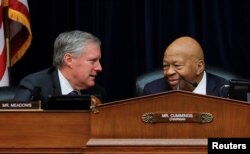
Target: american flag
[{"x": 15, "y": 26}]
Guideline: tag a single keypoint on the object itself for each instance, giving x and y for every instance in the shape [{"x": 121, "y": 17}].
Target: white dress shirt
[
  {"x": 202, "y": 85},
  {"x": 66, "y": 88}
]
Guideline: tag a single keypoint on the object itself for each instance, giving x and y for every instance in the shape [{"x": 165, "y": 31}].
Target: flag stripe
[
  {"x": 18, "y": 35},
  {"x": 20, "y": 41},
  {"x": 20, "y": 6},
  {"x": 3, "y": 62},
  {"x": 4, "y": 76},
  {"x": 2, "y": 45}
]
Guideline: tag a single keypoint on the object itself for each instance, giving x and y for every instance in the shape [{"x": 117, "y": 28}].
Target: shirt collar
[
  {"x": 202, "y": 86},
  {"x": 64, "y": 83}
]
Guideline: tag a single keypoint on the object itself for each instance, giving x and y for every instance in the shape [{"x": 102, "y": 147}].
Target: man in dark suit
[
  {"x": 76, "y": 63},
  {"x": 184, "y": 69}
]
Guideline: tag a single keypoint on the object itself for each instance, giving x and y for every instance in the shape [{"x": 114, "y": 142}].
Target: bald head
[
  {"x": 186, "y": 46},
  {"x": 183, "y": 58}
]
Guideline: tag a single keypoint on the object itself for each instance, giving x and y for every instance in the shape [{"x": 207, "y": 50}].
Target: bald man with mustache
[{"x": 184, "y": 69}]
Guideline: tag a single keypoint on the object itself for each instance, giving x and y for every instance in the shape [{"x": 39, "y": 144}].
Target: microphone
[
  {"x": 35, "y": 93},
  {"x": 222, "y": 91},
  {"x": 195, "y": 84}
]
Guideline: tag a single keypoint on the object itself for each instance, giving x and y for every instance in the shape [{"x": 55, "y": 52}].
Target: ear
[
  {"x": 200, "y": 67},
  {"x": 68, "y": 59}
]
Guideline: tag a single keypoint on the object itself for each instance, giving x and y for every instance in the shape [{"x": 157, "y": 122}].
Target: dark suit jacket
[
  {"x": 38, "y": 86},
  {"x": 214, "y": 86}
]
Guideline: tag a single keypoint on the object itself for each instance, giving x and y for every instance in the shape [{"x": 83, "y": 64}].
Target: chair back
[
  {"x": 144, "y": 79},
  {"x": 7, "y": 93}
]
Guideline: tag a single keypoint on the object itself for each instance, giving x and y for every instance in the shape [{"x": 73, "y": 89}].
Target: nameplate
[
  {"x": 20, "y": 105},
  {"x": 177, "y": 117}
]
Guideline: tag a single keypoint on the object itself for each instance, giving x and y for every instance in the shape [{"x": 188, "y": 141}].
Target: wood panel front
[
  {"x": 149, "y": 146},
  {"x": 44, "y": 131},
  {"x": 123, "y": 119},
  {"x": 118, "y": 126}
]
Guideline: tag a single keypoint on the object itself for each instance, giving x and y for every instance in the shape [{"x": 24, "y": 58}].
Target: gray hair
[{"x": 71, "y": 42}]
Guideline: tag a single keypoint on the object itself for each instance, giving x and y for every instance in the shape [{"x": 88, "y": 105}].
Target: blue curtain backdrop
[{"x": 135, "y": 33}]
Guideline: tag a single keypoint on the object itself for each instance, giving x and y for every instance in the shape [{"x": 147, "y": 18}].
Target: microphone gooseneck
[
  {"x": 194, "y": 84},
  {"x": 222, "y": 90}
]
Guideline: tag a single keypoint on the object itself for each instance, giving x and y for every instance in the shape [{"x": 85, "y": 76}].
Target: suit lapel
[
  {"x": 56, "y": 84},
  {"x": 211, "y": 85}
]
